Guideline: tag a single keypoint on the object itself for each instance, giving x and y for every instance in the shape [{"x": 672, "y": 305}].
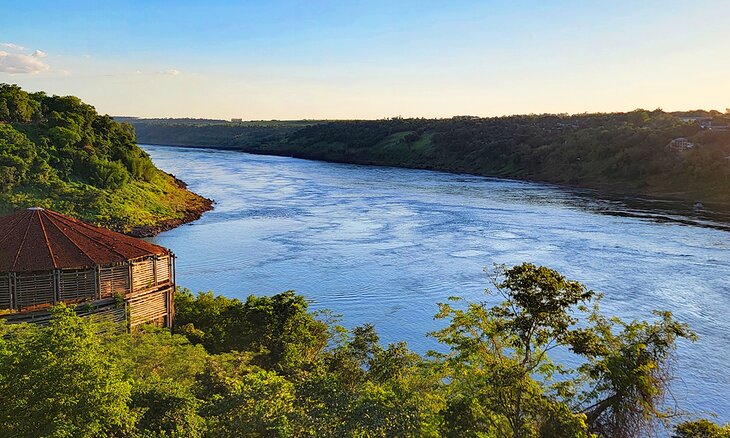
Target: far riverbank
[
  {"x": 628, "y": 204},
  {"x": 619, "y": 156}
]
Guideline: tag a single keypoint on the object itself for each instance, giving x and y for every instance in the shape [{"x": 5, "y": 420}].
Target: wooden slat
[
  {"x": 102, "y": 311},
  {"x": 77, "y": 284},
  {"x": 143, "y": 274},
  {"x": 148, "y": 307},
  {"x": 113, "y": 280},
  {"x": 162, "y": 269},
  {"x": 4, "y": 291},
  {"x": 34, "y": 288}
]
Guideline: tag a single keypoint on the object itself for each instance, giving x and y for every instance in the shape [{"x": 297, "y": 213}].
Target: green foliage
[
  {"x": 538, "y": 309},
  {"x": 630, "y": 371},
  {"x": 617, "y": 152},
  {"x": 17, "y": 157},
  {"x": 701, "y": 429},
  {"x": 498, "y": 364},
  {"x": 278, "y": 329},
  {"x": 167, "y": 408},
  {"x": 269, "y": 367},
  {"x": 17, "y": 105},
  {"x": 504, "y": 384},
  {"x": 57, "y": 152},
  {"x": 258, "y": 404},
  {"x": 60, "y": 381},
  {"x": 155, "y": 354}
]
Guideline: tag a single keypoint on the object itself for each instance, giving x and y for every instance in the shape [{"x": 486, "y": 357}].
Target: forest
[
  {"x": 616, "y": 153},
  {"x": 58, "y": 152},
  {"x": 271, "y": 367}
]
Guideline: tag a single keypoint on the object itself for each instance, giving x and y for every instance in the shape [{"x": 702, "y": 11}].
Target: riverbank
[
  {"x": 197, "y": 205},
  {"x": 619, "y": 155},
  {"x": 59, "y": 153},
  {"x": 657, "y": 207}
]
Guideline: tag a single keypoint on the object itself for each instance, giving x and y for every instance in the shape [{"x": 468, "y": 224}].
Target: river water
[{"x": 384, "y": 245}]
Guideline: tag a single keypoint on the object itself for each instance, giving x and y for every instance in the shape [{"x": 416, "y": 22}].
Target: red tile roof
[{"x": 42, "y": 240}]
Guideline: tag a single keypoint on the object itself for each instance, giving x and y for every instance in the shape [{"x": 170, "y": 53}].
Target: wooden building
[{"x": 48, "y": 258}]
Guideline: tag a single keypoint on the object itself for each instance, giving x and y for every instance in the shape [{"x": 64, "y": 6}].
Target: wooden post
[
  {"x": 171, "y": 294},
  {"x": 56, "y": 285},
  {"x": 97, "y": 283},
  {"x": 131, "y": 278},
  {"x": 154, "y": 270},
  {"x": 11, "y": 287}
]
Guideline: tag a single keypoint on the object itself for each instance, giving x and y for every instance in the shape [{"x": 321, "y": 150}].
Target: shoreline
[
  {"x": 675, "y": 204},
  {"x": 193, "y": 213}
]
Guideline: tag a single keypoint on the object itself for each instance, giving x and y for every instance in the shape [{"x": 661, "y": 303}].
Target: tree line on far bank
[
  {"x": 268, "y": 366},
  {"x": 615, "y": 152}
]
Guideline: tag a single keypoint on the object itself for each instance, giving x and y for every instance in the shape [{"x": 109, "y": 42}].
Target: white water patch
[{"x": 468, "y": 253}]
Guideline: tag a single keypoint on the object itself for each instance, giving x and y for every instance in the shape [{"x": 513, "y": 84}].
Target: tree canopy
[
  {"x": 268, "y": 366},
  {"x": 57, "y": 152}
]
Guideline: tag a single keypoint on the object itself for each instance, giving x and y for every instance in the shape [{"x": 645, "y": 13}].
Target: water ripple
[{"x": 384, "y": 245}]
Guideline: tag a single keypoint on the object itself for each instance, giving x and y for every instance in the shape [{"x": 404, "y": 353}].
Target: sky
[{"x": 268, "y": 59}]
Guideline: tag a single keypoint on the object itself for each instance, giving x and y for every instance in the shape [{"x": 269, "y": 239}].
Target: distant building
[
  {"x": 692, "y": 119},
  {"x": 236, "y": 120},
  {"x": 702, "y": 122},
  {"x": 706, "y": 123},
  {"x": 680, "y": 144},
  {"x": 717, "y": 125}
]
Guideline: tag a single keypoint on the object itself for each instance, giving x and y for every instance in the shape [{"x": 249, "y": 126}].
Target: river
[{"x": 384, "y": 245}]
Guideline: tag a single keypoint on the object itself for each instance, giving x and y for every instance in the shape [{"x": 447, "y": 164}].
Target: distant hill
[
  {"x": 58, "y": 152},
  {"x": 214, "y": 133},
  {"x": 624, "y": 153}
]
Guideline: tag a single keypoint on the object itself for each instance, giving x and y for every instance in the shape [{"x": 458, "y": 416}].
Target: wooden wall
[
  {"x": 143, "y": 274},
  {"x": 76, "y": 284},
  {"x": 4, "y": 291},
  {"x": 34, "y": 288},
  {"x": 146, "y": 283},
  {"x": 150, "y": 307},
  {"x": 107, "y": 310},
  {"x": 163, "y": 269},
  {"x": 113, "y": 280}
]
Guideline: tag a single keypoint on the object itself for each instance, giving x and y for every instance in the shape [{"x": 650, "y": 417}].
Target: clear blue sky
[{"x": 370, "y": 59}]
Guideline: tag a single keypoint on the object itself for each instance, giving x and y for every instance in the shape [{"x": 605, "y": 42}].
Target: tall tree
[{"x": 498, "y": 362}]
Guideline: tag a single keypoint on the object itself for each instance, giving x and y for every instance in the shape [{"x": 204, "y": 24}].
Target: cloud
[
  {"x": 171, "y": 72},
  {"x": 12, "y": 46},
  {"x": 15, "y": 59}
]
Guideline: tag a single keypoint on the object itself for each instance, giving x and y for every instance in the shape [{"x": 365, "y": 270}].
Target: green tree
[
  {"x": 503, "y": 382},
  {"x": 153, "y": 354},
  {"x": 17, "y": 157},
  {"x": 16, "y": 105},
  {"x": 256, "y": 404},
  {"x": 59, "y": 381},
  {"x": 701, "y": 429},
  {"x": 498, "y": 360},
  {"x": 629, "y": 373},
  {"x": 167, "y": 408},
  {"x": 278, "y": 328}
]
